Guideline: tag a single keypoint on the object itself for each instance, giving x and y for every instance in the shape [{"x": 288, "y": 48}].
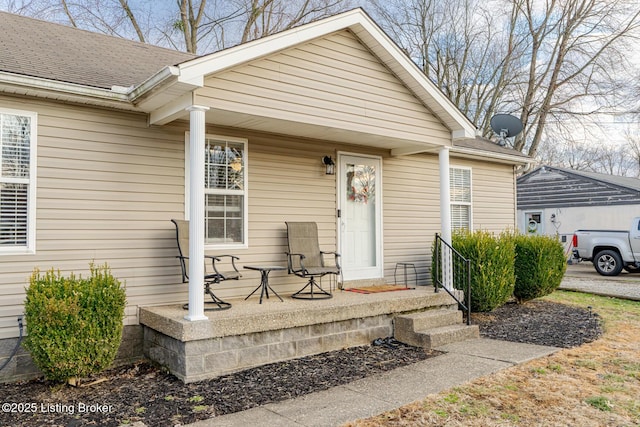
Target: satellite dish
[{"x": 505, "y": 126}]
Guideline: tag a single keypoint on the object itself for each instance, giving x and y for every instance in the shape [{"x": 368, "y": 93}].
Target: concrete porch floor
[
  {"x": 252, "y": 334},
  {"x": 249, "y": 316}
]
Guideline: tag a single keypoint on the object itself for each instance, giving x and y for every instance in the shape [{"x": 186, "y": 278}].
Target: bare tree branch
[
  {"x": 68, "y": 13},
  {"x": 132, "y": 18}
]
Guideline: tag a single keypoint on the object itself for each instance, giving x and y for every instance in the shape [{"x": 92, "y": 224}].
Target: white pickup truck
[{"x": 609, "y": 250}]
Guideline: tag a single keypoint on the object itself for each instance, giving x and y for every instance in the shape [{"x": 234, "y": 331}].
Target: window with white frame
[
  {"x": 225, "y": 191},
  {"x": 17, "y": 181},
  {"x": 460, "y": 190}
]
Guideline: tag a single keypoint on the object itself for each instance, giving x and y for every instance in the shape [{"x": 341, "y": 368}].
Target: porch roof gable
[{"x": 165, "y": 94}]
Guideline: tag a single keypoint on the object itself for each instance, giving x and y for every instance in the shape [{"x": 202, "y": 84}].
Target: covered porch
[
  {"x": 253, "y": 334},
  {"x": 339, "y": 88},
  {"x": 272, "y": 110}
]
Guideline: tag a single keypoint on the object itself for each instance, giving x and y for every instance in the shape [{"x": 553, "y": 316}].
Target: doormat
[{"x": 379, "y": 288}]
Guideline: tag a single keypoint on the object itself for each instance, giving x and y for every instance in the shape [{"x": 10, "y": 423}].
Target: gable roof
[
  {"x": 94, "y": 68},
  {"x": 39, "y": 58},
  {"x": 46, "y": 50},
  {"x": 358, "y": 22},
  {"x": 551, "y": 186}
]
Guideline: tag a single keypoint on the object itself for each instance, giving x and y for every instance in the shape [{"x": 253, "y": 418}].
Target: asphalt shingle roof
[
  {"x": 487, "y": 145},
  {"x": 52, "y": 51},
  {"x": 552, "y": 186},
  {"x": 622, "y": 181}
]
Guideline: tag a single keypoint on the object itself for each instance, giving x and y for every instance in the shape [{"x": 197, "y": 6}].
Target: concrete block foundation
[{"x": 252, "y": 334}]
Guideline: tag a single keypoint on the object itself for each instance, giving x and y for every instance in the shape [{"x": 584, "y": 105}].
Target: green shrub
[
  {"x": 539, "y": 266},
  {"x": 74, "y": 325},
  {"x": 492, "y": 267}
]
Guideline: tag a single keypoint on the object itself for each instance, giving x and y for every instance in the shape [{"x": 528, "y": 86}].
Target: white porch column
[
  {"x": 445, "y": 217},
  {"x": 196, "y": 213}
]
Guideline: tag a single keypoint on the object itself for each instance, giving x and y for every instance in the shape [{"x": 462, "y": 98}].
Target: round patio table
[{"x": 264, "y": 279}]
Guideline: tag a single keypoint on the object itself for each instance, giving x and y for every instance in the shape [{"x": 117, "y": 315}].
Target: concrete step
[
  {"x": 433, "y": 328},
  {"x": 429, "y": 319},
  {"x": 454, "y": 333}
]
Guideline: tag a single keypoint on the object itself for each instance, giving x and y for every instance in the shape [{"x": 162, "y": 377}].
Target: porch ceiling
[{"x": 397, "y": 146}]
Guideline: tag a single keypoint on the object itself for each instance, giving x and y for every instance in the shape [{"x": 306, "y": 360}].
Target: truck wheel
[{"x": 608, "y": 263}]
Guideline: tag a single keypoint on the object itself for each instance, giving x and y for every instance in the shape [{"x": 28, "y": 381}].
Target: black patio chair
[
  {"x": 210, "y": 277},
  {"x": 305, "y": 259}
]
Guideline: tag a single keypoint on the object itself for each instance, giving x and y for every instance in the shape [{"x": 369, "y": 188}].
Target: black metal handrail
[{"x": 460, "y": 268}]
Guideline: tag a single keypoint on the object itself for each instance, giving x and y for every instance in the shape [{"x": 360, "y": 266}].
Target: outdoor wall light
[{"x": 329, "y": 165}]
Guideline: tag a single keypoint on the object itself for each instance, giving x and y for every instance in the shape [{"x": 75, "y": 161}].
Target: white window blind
[
  {"x": 460, "y": 180},
  {"x": 460, "y": 189},
  {"x": 460, "y": 217},
  {"x": 16, "y": 180},
  {"x": 13, "y": 214}
]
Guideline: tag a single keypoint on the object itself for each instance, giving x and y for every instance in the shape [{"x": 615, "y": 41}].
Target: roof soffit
[{"x": 495, "y": 157}]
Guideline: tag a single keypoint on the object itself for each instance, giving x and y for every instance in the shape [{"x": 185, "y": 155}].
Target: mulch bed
[
  {"x": 540, "y": 322},
  {"x": 142, "y": 392}
]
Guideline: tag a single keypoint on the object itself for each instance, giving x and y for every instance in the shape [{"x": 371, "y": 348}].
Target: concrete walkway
[{"x": 462, "y": 362}]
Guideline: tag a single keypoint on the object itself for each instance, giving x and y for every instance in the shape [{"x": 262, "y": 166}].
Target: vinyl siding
[
  {"x": 333, "y": 81},
  {"x": 412, "y": 207},
  {"x": 287, "y": 182},
  {"x": 493, "y": 195},
  {"x": 411, "y": 212},
  {"x": 108, "y": 185}
]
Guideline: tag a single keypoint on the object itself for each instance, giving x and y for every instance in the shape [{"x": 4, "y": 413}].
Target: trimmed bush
[
  {"x": 492, "y": 267},
  {"x": 74, "y": 325},
  {"x": 539, "y": 266}
]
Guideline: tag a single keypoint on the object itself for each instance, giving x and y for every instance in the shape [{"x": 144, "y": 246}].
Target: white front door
[{"x": 360, "y": 218}]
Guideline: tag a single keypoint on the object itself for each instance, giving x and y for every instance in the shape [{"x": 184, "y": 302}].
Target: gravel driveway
[{"x": 583, "y": 277}]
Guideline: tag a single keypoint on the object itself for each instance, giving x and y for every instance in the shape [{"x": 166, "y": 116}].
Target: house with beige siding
[{"x": 105, "y": 140}]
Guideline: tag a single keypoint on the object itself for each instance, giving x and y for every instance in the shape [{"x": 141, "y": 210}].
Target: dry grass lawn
[{"x": 596, "y": 384}]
